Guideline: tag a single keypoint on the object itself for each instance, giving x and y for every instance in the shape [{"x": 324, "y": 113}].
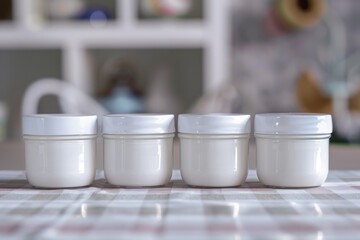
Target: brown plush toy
[{"x": 311, "y": 98}]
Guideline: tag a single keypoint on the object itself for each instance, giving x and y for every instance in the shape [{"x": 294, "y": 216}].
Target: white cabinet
[{"x": 204, "y": 36}]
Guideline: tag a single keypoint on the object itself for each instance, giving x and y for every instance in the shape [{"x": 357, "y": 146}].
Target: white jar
[
  {"x": 60, "y": 150},
  {"x": 292, "y": 149},
  {"x": 138, "y": 149},
  {"x": 214, "y": 149}
]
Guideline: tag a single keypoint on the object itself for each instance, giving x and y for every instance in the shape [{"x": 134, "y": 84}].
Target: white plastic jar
[
  {"x": 60, "y": 149},
  {"x": 292, "y": 149},
  {"x": 214, "y": 149},
  {"x": 138, "y": 149}
]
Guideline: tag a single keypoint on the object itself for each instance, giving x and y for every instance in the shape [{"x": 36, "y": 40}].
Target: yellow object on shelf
[{"x": 300, "y": 13}]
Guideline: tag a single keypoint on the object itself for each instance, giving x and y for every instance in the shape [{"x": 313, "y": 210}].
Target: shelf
[
  {"x": 184, "y": 34},
  {"x": 195, "y": 48}
]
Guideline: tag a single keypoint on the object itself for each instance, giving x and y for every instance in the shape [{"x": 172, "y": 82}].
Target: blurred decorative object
[
  {"x": 3, "y": 120},
  {"x": 121, "y": 94},
  {"x": 96, "y": 16},
  {"x": 266, "y": 58},
  {"x": 77, "y": 10},
  {"x": 160, "y": 97},
  {"x": 310, "y": 96},
  {"x": 300, "y": 13},
  {"x": 289, "y": 15},
  {"x": 30, "y": 14},
  {"x": 224, "y": 100},
  {"x": 71, "y": 99},
  {"x": 303, "y": 70},
  {"x": 165, "y": 8},
  {"x": 339, "y": 94},
  {"x": 65, "y": 9}
]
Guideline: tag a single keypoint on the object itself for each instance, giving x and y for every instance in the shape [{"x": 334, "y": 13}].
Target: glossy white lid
[
  {"x": 214, "y": 123},
  {"x": 59, "y": 124},
  {"x": 138, "y": 123},
  {"x": 293, "y": 123}
]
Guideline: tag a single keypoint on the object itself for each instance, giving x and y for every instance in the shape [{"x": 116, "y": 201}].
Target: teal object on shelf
[{"x": 122, "y": 100}]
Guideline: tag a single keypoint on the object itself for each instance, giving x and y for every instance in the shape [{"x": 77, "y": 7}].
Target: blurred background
[{"x": 177, "y": 56}]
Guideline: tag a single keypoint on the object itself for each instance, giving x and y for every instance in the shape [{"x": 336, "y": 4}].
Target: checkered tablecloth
[{"x": 177, "y": 211}]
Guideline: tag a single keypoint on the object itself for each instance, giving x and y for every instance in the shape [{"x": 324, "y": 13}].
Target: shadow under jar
[
  {"x": 138, "y": 149},
  {"x": 214, "y": 149},
  {"x": 60, "y": 149},
  {"x": 292, "y": 149}
]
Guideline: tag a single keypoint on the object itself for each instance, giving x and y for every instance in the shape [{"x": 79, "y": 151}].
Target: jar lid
[
  {"x": 138, "y": 123},
  {"x": 214, "y": 123},
  {"x": 293, "y": 123},
  {"x": 59, "y": 124}
]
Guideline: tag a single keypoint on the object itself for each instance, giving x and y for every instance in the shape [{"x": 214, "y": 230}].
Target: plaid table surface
[{"x": 177, "y": 211}]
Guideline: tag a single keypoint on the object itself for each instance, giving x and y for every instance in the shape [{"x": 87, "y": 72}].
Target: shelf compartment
[
  {"x": 196, "y": 12},
  {"x": 53, "y": 11},
  {"x": 18, "y": 69},
  {"x": 183, "y": 67}
]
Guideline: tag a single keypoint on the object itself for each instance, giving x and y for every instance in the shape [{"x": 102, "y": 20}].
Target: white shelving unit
[{"x": 210, "y": 34}]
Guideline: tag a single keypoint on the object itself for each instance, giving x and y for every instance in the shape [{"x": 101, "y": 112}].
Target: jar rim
[
  {"x": 59, "y": 124},
  {"x": 216, "y": 123},
  {"x": 293, "y": 123},
  {"x": 140, "y": 123}
]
